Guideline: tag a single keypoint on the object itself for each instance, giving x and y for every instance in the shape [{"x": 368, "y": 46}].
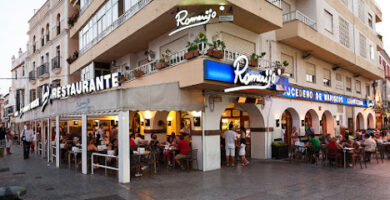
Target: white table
[{"x": 345, "y": 149}]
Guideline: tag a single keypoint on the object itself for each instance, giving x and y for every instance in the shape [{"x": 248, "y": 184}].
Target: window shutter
[
  {"x": 238, "y": 44},
  {"x": 310, "y": 69},
  {"x": 326, "y": 74}
]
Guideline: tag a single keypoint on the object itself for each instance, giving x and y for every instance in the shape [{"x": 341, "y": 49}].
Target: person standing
[
  {"x": 230, "y": 144},
  {"x": 2, "y": 140},
  {"x": 27, "y": 137},
  {"x": 8, "y": 140}
]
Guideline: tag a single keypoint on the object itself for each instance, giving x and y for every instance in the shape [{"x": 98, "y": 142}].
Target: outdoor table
[
  {"x": 144, "y": 153},
  {"x": 173, "y": 151},
  {"x": 345, "y": 149}
]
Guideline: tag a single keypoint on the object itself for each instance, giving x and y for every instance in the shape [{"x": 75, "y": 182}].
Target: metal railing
[
  {"x": 56, "y": 62},
  {"x": 177, "y": 58},
  {"x": 297, "y": 15},
  {"x": 31, "y": 75},
  {"x": 277, "y": 3},
  {"x": 105, "y": 161},
  {"x": 127, "y": 15},
  {"x": 43, "y": 69}
]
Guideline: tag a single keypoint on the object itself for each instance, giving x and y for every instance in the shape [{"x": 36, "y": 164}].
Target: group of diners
[
  {"x": 344, "y": 148},
  {"x": 174, "y": 150}
]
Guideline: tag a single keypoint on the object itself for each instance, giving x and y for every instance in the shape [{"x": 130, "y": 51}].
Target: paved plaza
[{"x": 260, "y": 180}]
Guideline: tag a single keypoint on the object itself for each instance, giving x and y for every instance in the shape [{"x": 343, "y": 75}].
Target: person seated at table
[
  {"x": 133, "y": 146},
  {"x": 170, "y": 142},
  {"x": 91, "y": 145},
  {"x": 314, "y": 143},
  {"x": 347, "y": 141},
  {"x": 174, "y": 137},
  {"x": 139, "y": 140},
  {"x": 378, "y": 139},
  {"x": 113, "y": 146},
  {"x": 358, "y": 137},
  {"x": 104, "y": 140},
  {"x": 369, "y": 147},
  {"x": 184, "y": 151},
  {"x": 154, "y": 144},
  {"x": 76, "y": 142}
]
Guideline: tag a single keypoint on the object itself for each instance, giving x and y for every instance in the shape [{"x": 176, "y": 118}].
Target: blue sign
[
  {"x": 253, "y": 79},
  {"x": 305, "y": 94}
]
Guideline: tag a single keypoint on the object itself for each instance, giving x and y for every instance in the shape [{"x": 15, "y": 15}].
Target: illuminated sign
[
  {"x": 82, "y": 87},
  {"x": 305, "y": 94},
  {"x": 184, "y": 22},
  {"x": 240, "y": 74}
]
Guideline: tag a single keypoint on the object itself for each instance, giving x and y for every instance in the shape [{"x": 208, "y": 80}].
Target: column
[
  {"x": 123, "y": 147},
  {"x": 49, "y": 153},
  {"x": 36, "y": 138},
  {"x": 43, "y": 138},
  {"x": 58, "y": 148},
  {"x": 84, "y": 144}
]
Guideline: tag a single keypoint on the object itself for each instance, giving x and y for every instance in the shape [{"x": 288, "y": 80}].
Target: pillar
[
  {"x": 36, "y": 138},
  {"x": 123, "y": 147},
  {"x": 84, "y": 144},
  {"x": 58, "y": 148},
  {"x": 43, "y": 138},
  {"x": 49, "y": 153}
]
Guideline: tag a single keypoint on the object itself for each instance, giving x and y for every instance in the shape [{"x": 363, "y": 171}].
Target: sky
[{"x": 14, "y": 22}]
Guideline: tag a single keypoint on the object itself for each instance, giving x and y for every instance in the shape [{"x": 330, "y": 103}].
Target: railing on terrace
[
  {"x": 31, "y": 75},
  {"x": 56, "y": 62},
  {"x": 127, "y": 15},
  {"x": 106, "y": 158},
  {"x": 177, "y": 58},
  {"x": 43, "y": 69},
  {"x": 277, "y": 3},
  {"x": 297, "y": 15}
]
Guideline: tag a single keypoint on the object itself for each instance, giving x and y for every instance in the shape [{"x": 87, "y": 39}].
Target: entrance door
[
  {"x": 287, "y": 124},
  {"x": 324, "y": 125}
]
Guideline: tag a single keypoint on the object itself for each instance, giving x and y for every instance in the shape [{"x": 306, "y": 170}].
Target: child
[{"x": 244, "y": 161}]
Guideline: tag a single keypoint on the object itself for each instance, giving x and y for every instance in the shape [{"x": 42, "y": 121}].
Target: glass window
[
  {"x": 362, "y": 45},
  {"x": 344, "y": 32},
  {"x": 327, "y": 77},
  {"x": 328, "y": 21},
  {"x": 348, "y": 85},
  {"x": 370, "y": 20},
  {"x": 358, "y": 87}
]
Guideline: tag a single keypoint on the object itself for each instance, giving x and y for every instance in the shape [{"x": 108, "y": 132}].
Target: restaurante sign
[
  {"x": 82, "y": 87},
  {"x": 184, "y": 22}
]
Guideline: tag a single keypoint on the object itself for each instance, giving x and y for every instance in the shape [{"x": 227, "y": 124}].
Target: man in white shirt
[
  {"x": 230, "y": 144},
  {"x": 370, "y": 146},
  {"x": 27, "y": 137}
]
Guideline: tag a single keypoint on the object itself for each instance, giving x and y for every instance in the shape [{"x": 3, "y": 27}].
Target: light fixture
[
  {"x": 356, "y": 75},
  {"x": 221, "y": 8},
  {"x": 307, "y": 56},
  {"x": 335, "y": 68},
  {"x": 302, "y": 122},
  {"x": 277, "y": 122},
  {"x": 148, "y": 114}
]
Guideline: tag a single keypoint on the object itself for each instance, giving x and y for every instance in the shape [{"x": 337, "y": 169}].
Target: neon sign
[{"x": 184, "y": 22}]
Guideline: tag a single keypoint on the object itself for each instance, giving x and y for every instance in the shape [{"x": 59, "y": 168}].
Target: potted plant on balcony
[
  {"x": 254, "y": 59},
  {"x": 279, "y": 150},
  {"x": 216, "y": 50},
  {"x": 138, "y": 73},
  {"x": 192, "y": 51},
  {"x": 163, "y": 62},
  {"x": 150, "y": 54},
  {"x": 72, "y": 58}
]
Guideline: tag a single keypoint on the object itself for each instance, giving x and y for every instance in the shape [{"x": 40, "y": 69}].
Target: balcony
[
  {"x": 56, "y": 64},
  {"x": 148, "y": 20},
  {"x": 31, "y": 76},
  {"x": 301, "y": 32},
  {"x": 43, "y": 71},
  {"x": 189, "y": 73}
]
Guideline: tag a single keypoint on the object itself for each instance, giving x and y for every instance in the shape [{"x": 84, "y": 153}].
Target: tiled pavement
[{"x": 260, "y": 180}]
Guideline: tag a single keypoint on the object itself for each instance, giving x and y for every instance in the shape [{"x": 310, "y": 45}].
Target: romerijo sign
[{"x": 184, "y": 22}]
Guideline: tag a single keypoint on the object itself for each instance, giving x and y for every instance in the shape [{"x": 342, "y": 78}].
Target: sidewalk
[{"x": 260, "y": 180}]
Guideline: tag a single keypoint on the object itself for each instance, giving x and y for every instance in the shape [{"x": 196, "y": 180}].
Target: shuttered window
[
  {"x": 344, "y": 32},
  {"x": 339, "y": 81},
  {"x": 327, "y": 78},
  {"x": 310, "y": 73},
  {"x": 358, "y": 87},
  {"x": 363, "y": 45},
  {"x": 238, "y": 44},
  {"x": 348, "y": 84},
  {"x": 289, "y": 71},
  {"x": 176, "y": 45}
]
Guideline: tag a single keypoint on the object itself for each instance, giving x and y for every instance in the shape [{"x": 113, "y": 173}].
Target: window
[
  {"x": 344, "y": 32},
  {"x": 43, "y": 37},
  {"x": 327, "y": 78},
  {"x": 34, "y": 44},
  {"x": 23, "y": 71},
  {"x": 47, "y": 33},
  {"x": 362, "y": 45},
  {"x": 368, "y": 90},
  {"x": 328, "y": 21},
  {"x": 361, "y": 11},
  {"x": 358, "y": 87},
  {"x": 372, "y": 52},
  {"x": 33, "y": 95},
  {"x": 286, "y": 7},
  {"x": 348, "y": 85},
  {"x": 310, "y": 73},
  {"x": 58, "y": 25},
  {"x": 289, "y": 71},
  {"x": 370, "y": 20},
  {"x": 56, "y": 83}
]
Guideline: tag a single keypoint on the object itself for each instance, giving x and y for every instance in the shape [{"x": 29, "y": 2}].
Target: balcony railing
[
  {"x": 56, "y": 62},
  {"x": 127, "y": 15},
  {"x": 177, "y": 58},
  {"x": 277, "y": 3},
  {"x": 31, "y": 75},
  {"x": 43, "y": 69},
  {"x": 297, "y": 15},
  {"x": 85, "y": 6}
]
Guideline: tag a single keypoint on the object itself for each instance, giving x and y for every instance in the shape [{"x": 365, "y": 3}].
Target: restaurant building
[{"x": 148, "y": 66}]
